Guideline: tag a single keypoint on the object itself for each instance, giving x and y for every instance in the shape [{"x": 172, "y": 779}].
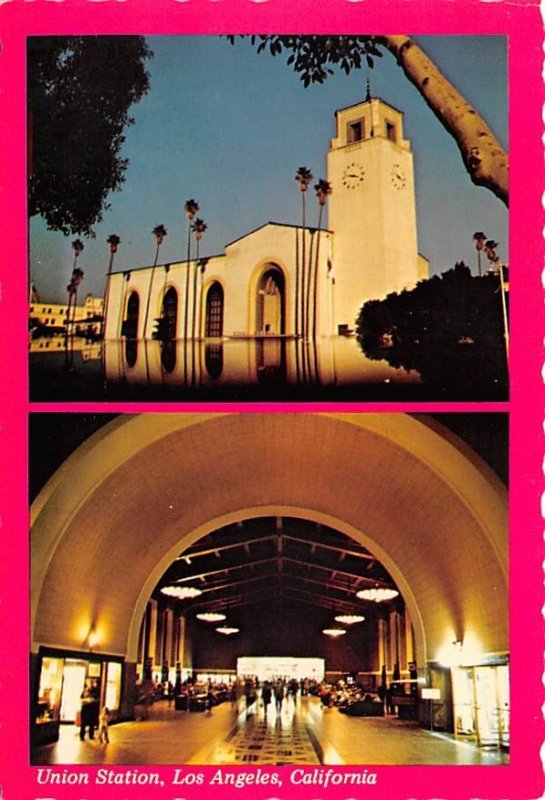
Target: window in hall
[
  {"x": 355, "y": 131},
  {"x": 391, "y": 131}
]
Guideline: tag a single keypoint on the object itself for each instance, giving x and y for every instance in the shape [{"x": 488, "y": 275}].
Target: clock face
[
  {"x": 398, "y": 177},
  {"x": 353, "y": 175}
]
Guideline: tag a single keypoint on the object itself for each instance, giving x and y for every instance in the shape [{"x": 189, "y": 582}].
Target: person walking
[
  {"x": 89, "y": 709},
  {"x": 279, "y": 696},
  {"x": 266, "y": 695}
]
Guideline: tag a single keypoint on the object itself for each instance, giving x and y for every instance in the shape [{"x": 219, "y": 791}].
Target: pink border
[{"x": 521, "y": 22}]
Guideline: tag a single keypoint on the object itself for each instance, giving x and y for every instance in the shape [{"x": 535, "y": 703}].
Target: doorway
[{"x": 270, "y": 303}]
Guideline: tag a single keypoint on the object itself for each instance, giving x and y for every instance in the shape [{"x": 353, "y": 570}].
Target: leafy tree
[
  {"x": 449, "y": 328},
  {"x": 80, "y": 89},
  {"x": 314, "y": 56}
]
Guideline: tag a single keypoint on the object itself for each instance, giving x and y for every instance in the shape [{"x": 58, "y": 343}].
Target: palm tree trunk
[
  {"x": 303, "y": 265},
  {"x": 186, "y": 308},
  {"x": 194, "y": 309},
  {"x": 186, "y": 311},
  {"x": 296, "y": 309},
  {"x": 67, "y": 333},
  {"x": 306, "y": 292},
  {"x": 315, "y": 293},
  {"x": 194, "y": 314},
  {"x": 201, "y": 303},
  {"x": 146, "y": 315},
  {"x": 106, "y": 296},
  {"x": 308, "y": 286},
  {"x": 121, "y": 312},
  {"x": 296, "y": 324}
]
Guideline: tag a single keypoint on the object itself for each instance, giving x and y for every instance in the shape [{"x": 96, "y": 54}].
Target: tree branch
[{"x": 485, "y": 159}]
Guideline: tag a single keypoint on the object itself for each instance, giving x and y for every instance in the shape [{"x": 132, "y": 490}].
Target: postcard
[{"x": 272, "y": 400}]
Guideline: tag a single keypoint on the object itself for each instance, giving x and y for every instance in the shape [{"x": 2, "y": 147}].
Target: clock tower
[{"x": 371, "y": 210}]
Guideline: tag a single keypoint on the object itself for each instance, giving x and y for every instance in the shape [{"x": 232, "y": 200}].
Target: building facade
[
  {"x": 50, "y": 318},
  {"x": 285, "y": 280}
]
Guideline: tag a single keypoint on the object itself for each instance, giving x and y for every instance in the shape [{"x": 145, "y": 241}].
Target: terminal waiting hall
[{"x": 266, "y": 589}]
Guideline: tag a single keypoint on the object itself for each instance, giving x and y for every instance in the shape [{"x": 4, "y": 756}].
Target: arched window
[
  {"x": 130, "y": 324},
  {"x": 170, "y": 314},
  {"x": 214, "y": 311},
  {"x": 129, "y": 329},
  {"x": 270, "y": 303}
]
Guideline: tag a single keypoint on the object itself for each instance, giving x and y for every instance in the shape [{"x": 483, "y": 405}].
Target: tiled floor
[
  {"x": 271, "y": 738},
  {"x": 304, "y": 733}
]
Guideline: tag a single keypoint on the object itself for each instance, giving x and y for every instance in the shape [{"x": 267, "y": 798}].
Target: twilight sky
[{"x": 230, "y": 128}]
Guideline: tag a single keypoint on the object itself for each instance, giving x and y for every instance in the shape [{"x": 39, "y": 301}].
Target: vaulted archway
[{"x": 124, "y": 505}]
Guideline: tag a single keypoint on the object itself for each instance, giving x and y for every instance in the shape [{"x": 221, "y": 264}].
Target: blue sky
[{"x": 230, "y": 128}]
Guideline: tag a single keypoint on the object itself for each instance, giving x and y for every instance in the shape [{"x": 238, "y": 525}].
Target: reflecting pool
[{"x": 262, "y": 369}]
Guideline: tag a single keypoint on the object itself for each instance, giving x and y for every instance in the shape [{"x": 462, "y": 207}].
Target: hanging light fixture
[
  {"x": 210, "y": 616},
  {"x": 349, "y": 619},
  {"x": 334, "y": 632},
  {"x": 181, "y": 592},
  {"x": 378, "y": 594},
  {"x": 227, "y": 631}
]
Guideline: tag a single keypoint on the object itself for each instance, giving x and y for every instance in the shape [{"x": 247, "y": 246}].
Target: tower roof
[{"x": 366, "y": 102}]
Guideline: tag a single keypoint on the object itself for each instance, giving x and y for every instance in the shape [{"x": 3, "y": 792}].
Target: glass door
[
  {"x": 72, "y": 687},
  {"x": 465, "y": 722}
]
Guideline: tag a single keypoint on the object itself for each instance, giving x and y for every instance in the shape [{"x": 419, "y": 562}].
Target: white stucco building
[{"x": 281, "y": 280}]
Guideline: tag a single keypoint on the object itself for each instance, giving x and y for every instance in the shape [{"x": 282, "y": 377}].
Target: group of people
[
  {"x": 277, "y": 690},
  {"x": 92, "y": 716}
]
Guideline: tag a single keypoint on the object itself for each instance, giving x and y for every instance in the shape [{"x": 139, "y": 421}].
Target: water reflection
[
  {"x": 264, "y": 362},
  {"x": 266, "y": 368}
]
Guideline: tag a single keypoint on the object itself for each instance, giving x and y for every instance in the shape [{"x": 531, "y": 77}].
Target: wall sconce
[
  {"x": 92, "y": 638},
  {"x": 451, "y": 655}
]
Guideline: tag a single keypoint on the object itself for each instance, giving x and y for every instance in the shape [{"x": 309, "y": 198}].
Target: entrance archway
[
  {"x": 412, "y": 493},
  {"x": 270, "y": 314}
]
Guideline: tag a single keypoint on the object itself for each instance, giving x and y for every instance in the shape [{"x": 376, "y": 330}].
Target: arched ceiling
[
  {"x": 144, "y": 488},
  {"x": 256, "y": 560}
]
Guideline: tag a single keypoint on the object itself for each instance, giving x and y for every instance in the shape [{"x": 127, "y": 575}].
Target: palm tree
[
  {"x": 490, "y": 248},
  {"x": 114, "y": 241},
  {"x": 190, "y": 208},
  {"x": 72, "y": 288},
  {"x": 322, "y": 189},
  {"x": 479, "y": 238},
  {"x": 303, "y": 176},
  {"x": 198, "y": 227},
  {"x": 159, "y": 232}
]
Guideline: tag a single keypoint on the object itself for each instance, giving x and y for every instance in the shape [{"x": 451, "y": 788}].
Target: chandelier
[
  {"x": 210, "y": 616},
  {"x": 349, "y": 619},
  {"x": 181, "y": 592},
  {"x": 227, "y": 631},
  {"x": 377, "y": 595},
  {"x": 334, "y": 632}
]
